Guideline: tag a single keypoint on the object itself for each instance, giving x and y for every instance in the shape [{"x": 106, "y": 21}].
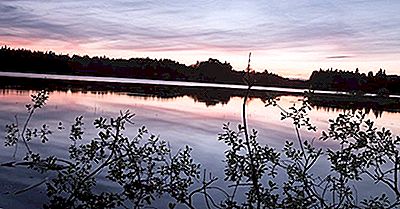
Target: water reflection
[
  {"x": 221, "y": 104},
  {"x": 181, "y": 118},
  {"x": 375, "y": 112},
  {"x": 212, "y": 96}
]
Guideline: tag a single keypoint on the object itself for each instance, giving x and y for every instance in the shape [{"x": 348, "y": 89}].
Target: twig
[
  {"x": 24, "y": 129},
  {"x": 16, "y": 144},
  {"x": 29, "y": 187},
  {"x": 253, "y": 170}
]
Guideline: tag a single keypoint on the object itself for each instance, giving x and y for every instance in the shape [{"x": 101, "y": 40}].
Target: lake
[{"x": 181, "y": 120}]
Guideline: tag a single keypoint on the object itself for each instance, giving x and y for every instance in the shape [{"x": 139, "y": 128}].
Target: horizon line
[{"x": 188, "y": 65}]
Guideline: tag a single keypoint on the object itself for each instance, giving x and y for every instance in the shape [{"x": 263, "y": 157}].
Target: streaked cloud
[
  {"x": 338, "y": 57},
  {"x": 301, "y": 31}
]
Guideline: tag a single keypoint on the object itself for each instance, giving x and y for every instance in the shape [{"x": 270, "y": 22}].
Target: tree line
[
  {"x": 355, "y": 82},
  {"x": 212, "y": 70}
]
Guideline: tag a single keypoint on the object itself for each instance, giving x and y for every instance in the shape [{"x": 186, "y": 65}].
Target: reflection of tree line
[
  {"x": 209, "y": 96},
  {"x": 355, "y": 102},
  {"x": 377, "y": 113}
]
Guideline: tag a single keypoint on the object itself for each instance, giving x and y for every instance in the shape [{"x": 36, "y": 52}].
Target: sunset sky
[{"x": 291, "y": 38}]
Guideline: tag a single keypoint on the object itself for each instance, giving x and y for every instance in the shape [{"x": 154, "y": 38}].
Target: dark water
[{"x": 181, "y": 121}]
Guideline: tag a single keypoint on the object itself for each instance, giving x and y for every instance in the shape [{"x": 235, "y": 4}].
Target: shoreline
[{"x": 209, "y": 94}]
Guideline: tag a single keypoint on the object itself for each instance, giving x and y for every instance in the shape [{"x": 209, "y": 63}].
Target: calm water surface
[{"x": 180, "y": 121}]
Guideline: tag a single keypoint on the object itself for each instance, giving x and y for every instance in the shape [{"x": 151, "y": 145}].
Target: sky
[{"x": 290, "y": 38}]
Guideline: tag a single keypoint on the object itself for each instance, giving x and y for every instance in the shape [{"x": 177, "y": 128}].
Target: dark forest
[{"x": 212, "y": 71}]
